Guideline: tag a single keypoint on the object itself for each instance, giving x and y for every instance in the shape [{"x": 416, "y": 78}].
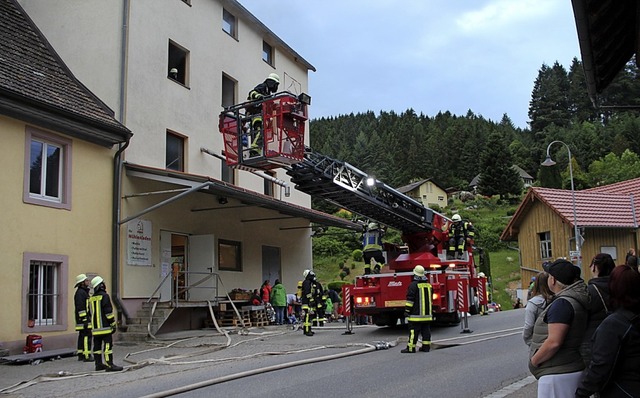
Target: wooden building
[{"x": 543, "y": 225}]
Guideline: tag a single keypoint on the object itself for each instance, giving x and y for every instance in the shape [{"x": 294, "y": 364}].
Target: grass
[{"x": 505, "y": 275}]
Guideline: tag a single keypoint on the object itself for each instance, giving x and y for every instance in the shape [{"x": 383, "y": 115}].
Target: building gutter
[{"x": 117, "y": 173}]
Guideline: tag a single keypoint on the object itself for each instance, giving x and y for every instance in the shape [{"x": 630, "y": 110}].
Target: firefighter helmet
[
  {"x": 96, "y": 281},
  {"x": 274, "y": 77},
  {"x": 305, "y": 273},
  {"x": 456, "y": 218},
  {"x": 418, "y": 270},
  {"x": 481, "y": 275},
  {"x": 81, "y": 278},
  {"x": 372, "y": 226}
]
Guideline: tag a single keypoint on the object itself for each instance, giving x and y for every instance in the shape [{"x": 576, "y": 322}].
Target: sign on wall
[{"x": 139, "y": 242}]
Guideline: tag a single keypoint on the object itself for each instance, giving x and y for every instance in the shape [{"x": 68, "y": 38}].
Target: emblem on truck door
[{"x": 395, "y": 284}]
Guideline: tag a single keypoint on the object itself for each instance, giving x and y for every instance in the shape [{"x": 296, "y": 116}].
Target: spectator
[
  {"x": 530, "y": 290},
  {"x": 517, "y": 304},
  {"x": 541, "y": 296},
  {"x": 279, "y": 301},
  {"x": 614, "y": 367},
  {"x": 336, "y": 301},
  {"x": 632, "y": 261},
  {"x": 554, "y": 354},
  {"x": 265, "y": 292},
  {"x": 294, "y": 306},
  {"x": 255, "y": 298},
  {"x": 598, "y": 287}
]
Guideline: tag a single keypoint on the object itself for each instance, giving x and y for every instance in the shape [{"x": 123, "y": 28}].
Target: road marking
[{"x": 512, "y": 388}]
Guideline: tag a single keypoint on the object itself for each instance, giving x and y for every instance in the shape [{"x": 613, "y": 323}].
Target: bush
[
  {"x": 356, "y": 255},
  {"x": 337, "y": 285}
]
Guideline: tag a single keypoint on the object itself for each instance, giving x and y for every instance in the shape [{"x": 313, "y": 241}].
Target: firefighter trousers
[
  {"x": 84, "y": 343},
  {"x": 416, "y": 329},
  {"x": 103, "y": 344},
  {"x": 306, "y": 324}
]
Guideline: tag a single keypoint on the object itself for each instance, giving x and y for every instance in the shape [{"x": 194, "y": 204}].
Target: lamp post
[{"x": 549, "y": 162}]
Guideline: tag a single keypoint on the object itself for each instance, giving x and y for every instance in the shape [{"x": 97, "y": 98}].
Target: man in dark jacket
[
  {"x": 266, "y": 88},
  {"x": 308, "y": 302},
  {"x": 83, "y": 327},
  {"x": 418, "y": 311},
  {"x": 103, "y": 325},
  {"x": 599, "y": 306}
]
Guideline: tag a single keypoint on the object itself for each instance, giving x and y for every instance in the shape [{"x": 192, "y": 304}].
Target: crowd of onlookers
[{"x": 584, "y": 338}]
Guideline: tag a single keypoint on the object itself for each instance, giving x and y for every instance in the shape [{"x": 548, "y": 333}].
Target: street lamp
[{"x": 549, "y": 162}]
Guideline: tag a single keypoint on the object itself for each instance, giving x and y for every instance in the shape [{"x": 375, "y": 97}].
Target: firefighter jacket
[
  {"x": 418, "y": 306},
  {"x": 462, "y": 229},
  {"x": 307, "y": 294},
  {"x": 259, "y": 91},
  {"x": 81, "y": 301},
  {"x": 102, "y": 319},
  {"x": 372, "y": 240},
  {"x": 568, "y": 358}
]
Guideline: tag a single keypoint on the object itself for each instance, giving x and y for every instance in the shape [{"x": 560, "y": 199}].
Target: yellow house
[
  {"x": 57, "y": 158},
  {"x": 543, "y": 225},
  {"x": 427, "y": 192}
]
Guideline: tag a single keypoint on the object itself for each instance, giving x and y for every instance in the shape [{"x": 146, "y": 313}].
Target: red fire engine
[{"x": 457, "y": 287}]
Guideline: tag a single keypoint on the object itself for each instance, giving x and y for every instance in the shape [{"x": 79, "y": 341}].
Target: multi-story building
[
  {"x": 168, "y": 68},
  {"x": 58, "y": 149}
]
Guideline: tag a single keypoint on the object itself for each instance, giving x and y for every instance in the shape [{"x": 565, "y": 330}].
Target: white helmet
[
  {"x": 81, "y": 278},
  {"x": 456, "y": 217},
  {"x": 305, "y": 273},
  {"x": 481, "y": 275},
  {"x": 418, "y": 270},
  {"x": 274, "y": 77},
  {"x": 96, "y": 281}
]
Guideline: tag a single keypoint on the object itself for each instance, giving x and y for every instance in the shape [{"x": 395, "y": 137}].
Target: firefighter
[
  {"x": 418, "y": 311},
  {"x": 372, "y": 248},
  {"x": 307, "y": 301},
  {"x": 266, "y": 88},
  {"x": 319, "y": 300},
  {"x": 103, "y": 325},
  {"x": 83, "y": 326},
  {"x": 461, "y": 234}
]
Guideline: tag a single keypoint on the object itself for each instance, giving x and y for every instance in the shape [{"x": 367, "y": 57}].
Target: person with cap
[
  {"x": 103, "y": 325},
  {"x": 307, "y": 301},
  {"x": 599, "y": 307},
  {"x": 461, "y": 234},
  {"x": 264, "y": 89},
  {"x": 83, "y": 326},
  {"x": 372, "y": 248},
  {"x": 554, "y": 353},
  {"x": 418, "y": 311}
]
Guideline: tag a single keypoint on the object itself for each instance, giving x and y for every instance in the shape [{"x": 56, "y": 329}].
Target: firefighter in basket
[
  {"x": 307, "y": 301},
  {"x": 264, "y": 89},
  {"x": 461, "y": 234},
  {"x": 372, "y": 248},
  {"x": 83, "y": 326},
  {"x": 103, "y": 325},
  {"x": 418, "y": 311}
]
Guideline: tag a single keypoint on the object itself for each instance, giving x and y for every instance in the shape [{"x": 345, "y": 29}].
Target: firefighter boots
[
  {"x": 408, "y": 351},
  {"x": 425, "y": 348},
  {"x": 99, "y": 364},
  {"x": 111, "y": 367}
]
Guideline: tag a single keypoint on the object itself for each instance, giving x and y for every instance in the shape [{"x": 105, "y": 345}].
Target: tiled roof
[
  {"x": 414, "y": 185},
  {"x": 612, "y": 206},
  {"x": 35, "y": 81}
]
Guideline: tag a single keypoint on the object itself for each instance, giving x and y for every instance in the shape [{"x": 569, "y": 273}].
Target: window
[
  {"x": 187, "y": 2},
  {"x": 440, "y": 198},
  {"x": 229, "y": 23},
  {"x": 228, "y": 91},
  {"x": 268, "y": 183},
  {"x": 177, "y": 69},
  {"x": 175, "y": 152},
  {"x": 545, "y": 245},
  {"x": 47, "y": 172},
  {"x": 45, "y": 292},
  {"x": 228, "y": 173},
  {"x": 229, "y": 255},
  {"x": 267, "y": 53}
]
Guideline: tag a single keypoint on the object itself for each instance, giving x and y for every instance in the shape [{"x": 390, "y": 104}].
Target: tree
[
  {"x": 498, "y": 176},
  {"x": 612, "y": 168}
]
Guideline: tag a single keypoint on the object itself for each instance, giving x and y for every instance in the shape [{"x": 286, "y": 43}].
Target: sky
[{"x": 427, "y": 55}]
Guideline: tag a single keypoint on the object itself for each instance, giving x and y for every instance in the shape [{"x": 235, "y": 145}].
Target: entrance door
[
  {"x": 202, "y": 263},
  {"x": 173, "y": 249},
  {"x": 271, "y": 263}
]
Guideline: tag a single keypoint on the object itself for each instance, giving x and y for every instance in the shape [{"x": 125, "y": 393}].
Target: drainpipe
[{"x": 117, "y": 173}]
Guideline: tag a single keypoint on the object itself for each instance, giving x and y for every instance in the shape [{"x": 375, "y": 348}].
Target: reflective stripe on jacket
[
  {"x": 418, "y": 305},
  {"x": 102, "y": 318}
]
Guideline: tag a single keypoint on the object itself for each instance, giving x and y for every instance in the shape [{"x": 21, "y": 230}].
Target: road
[{"x": 477, "y": 364}]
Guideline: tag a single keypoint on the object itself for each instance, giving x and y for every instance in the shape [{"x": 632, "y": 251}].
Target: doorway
[
  {"x": 179, "y": 266},
  {"x": 271, "y": 263}
]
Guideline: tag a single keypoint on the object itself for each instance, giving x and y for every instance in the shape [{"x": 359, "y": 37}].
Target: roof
[
  {"x": 523, "y": 174},
  {"x": 607, "y": 31},
  {"x": 37, "y": 87},
  {"x": 613, "y": 206},
  {"x": 268, "y": 34},
  {"x": 414, "y": 185},
  {"x": 245, "y": 196}
]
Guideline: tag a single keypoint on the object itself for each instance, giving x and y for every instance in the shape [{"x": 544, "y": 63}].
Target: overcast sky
[{"x": 429, "y": 55}]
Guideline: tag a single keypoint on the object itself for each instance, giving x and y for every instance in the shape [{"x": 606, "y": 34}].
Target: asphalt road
[{"x": 489, "y": 362}]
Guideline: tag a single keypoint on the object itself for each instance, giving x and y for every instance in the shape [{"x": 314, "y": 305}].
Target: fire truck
[{"x": 458, "y": 288}]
